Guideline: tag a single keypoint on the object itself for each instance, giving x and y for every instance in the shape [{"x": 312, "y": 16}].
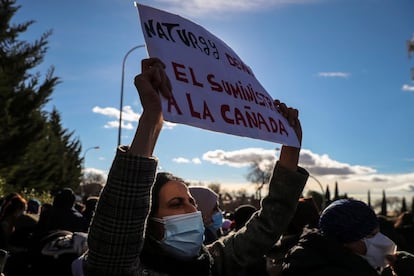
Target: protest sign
[{"x": 213, "y": 88}]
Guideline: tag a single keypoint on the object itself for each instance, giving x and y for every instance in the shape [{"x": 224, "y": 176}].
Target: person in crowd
[
  {"x": 306, "y": 216},
  {"x": 45, "y": 207},
  {"x": 59, "y": 237},
  {"x": 6, "y": 199},
  {"x": 79, "y": 206},
  {"x": 26, "y": 225},
  {"x": 274, "y": 258},
  {"x": 147, "y": 227},
  {"x": 33, "y": 206},
  {"x": 386, "y": 225},
  {"x": 348, "y": 242},
  {"x": 242, "y": 214},
  {"x": 90, "y": 205},
  {"x": 226, "y": 226},
  {"x": 207, "y": 203},
  {"x": 62, "y": 215},
  {"x": 13, "y": 207},
  {"x": 404, "y": 226}
]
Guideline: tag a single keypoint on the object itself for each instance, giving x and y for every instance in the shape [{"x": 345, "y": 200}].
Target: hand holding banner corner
[{"x": 212, "y": 87}]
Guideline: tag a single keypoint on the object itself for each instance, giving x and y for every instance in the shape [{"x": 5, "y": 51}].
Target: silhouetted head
[
  {"x": 64, "y": 199},
  {"x": 348, "y": 220},
  {"x": 242, "y": 214}
]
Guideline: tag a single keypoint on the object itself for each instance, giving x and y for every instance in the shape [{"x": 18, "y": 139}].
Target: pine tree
[
  {"x": 403, "y": 205},
  {"x": 369, "y": 198},
  {"x": 336, "y": 192},
  {"x": 52, "y": 163},
  {"x": 412, "y": 204},
  {"x": 35, "y": 152},
  {"x": 384, "y": 204},
  {"x": 327, "y": 196},
  {"x": 22, "y": 93},
  {"x": 69, "y": 150}
]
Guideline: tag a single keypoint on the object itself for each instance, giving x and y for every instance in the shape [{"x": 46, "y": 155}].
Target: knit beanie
[
  {"x": 205, "y": 198},
  {"x": 347, "y": 220}
]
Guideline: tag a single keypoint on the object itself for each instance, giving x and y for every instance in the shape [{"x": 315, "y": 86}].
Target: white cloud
[
  {"x": 115, "y": 124},
  {"x": 352, "y": 179},
  {"x": 182, "y": 160},
  {"x": 315, "y": 163},
  {"x": 240, "y": 158},
  {"x": 407, "y": 187},
  {"x": 407, "y": 87},
  {"x": 168, "y": 125},
  {"x": 128, "y": 117},
  {"x": 324, "y": 165},
  {"x": 196, "y": 161},
  {"x": 96, "y": 171},
  {"x": 107, "y": 111},
  {"x": 334, "y": 75}
]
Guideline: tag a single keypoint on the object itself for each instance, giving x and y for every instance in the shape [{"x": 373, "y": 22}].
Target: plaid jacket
[{"x": 116, "y": 235}]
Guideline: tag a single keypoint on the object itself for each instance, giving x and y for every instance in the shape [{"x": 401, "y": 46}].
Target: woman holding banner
[{"x": 148, "y": 224}]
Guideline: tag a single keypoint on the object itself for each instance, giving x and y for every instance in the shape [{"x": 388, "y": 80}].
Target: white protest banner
[{"x": 212, "y": 87}]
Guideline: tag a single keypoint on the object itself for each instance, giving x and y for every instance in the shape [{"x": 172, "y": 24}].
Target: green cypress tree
[
  {"x": 68, "y": 151},
  {"x": 327, "y": 194},
  {"x": 369, "y": 198},
  {"x": 336, "y": 192},
  {"x": 412, "y": 204},
  {"x": 384, "y": 211},
  {"x": 52, "y": 163},
  {"x": 403, "y": 205},
  {"x": 32, "y": 153},
  {"x": 22, "y": 93}
]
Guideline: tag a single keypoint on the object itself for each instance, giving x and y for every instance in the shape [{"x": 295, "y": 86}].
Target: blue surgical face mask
[
  {"x": 217, "y": 219},
  {"x": 183, "y": 234}
]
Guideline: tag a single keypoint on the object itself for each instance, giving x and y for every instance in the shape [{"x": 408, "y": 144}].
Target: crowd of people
[
  {"x": 146, "y": 222},
  {"x": 30, "y": 231}
]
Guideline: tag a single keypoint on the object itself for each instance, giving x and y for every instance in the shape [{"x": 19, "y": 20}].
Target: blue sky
[{"x": 343, "y": 63}]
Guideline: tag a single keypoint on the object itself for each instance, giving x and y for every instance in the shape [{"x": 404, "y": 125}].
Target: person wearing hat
[
  {"x": 348, "y": 242},
  {"x": 242, "y": 214},
  {"x": 147, "y": 223},
  {"x": 207, "y": 203}
]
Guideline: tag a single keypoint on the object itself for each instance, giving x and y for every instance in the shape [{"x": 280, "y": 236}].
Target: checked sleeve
[{"x": 116, "y": 234}]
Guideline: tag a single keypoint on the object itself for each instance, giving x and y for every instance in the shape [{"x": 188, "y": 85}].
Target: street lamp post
[
  {"x": 319, "y": 183},
  {"x": 121, "y": 102},
  {"x": 322, "y": 190}
]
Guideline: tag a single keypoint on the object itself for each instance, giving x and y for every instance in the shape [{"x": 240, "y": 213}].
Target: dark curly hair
[{"x": 160, "y": 180}]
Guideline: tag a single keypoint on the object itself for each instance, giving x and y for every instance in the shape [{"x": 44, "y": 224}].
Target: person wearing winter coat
[
  {"x": 148, "y": 224},
  {"x": 347, "y": 242}
]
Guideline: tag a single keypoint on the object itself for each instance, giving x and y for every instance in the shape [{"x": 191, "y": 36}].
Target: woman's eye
[{"x": 175, "y": 203}]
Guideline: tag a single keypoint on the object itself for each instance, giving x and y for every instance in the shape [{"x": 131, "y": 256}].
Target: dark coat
[{"x": 315, "y": 254}]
